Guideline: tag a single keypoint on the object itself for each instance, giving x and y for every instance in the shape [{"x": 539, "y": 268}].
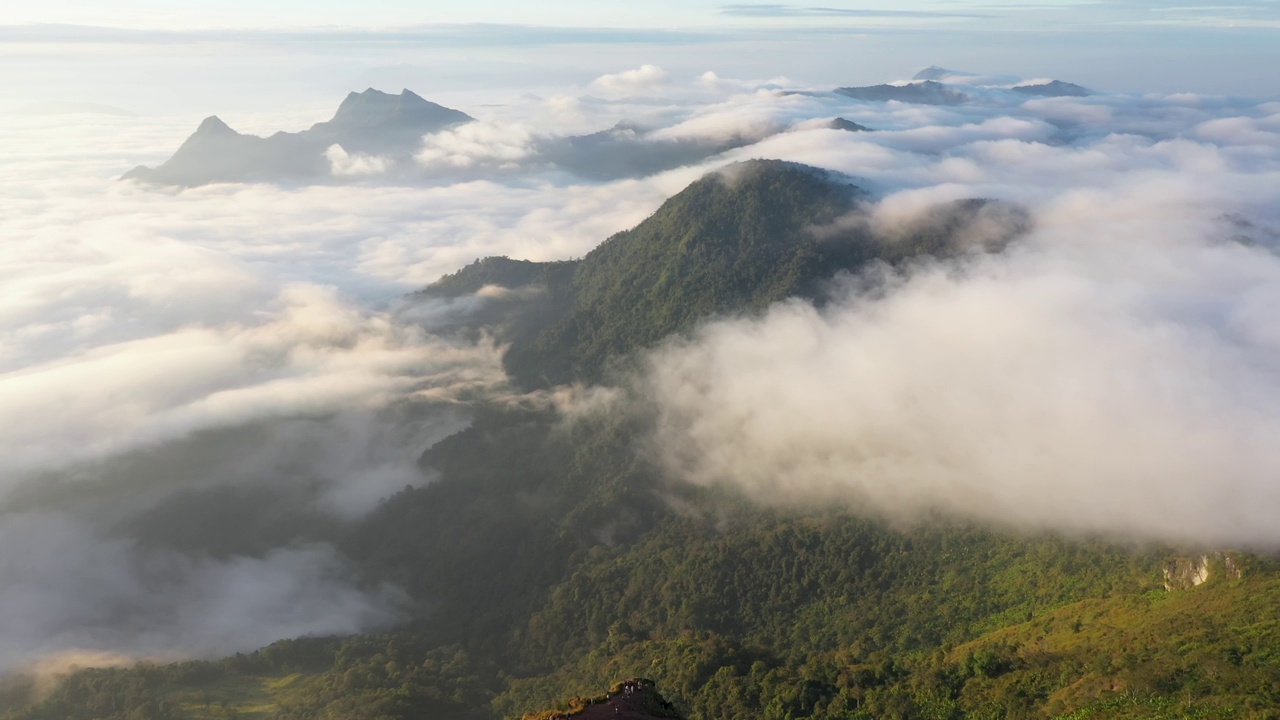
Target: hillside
[
  {"x": 734, "y": 241},
  {"x": 551, "y": 556}
]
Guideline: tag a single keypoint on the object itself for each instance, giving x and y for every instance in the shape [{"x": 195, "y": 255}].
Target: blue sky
[{"x": 166, "y": 56}]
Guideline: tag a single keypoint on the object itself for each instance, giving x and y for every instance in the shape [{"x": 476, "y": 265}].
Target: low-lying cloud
[
  {"x": 354, "y": 165},
  {"x": 311, "y": 357},
  {"x": 241, "y": 346},
  {"x": 70, "y": 592},
  {"x": 643, "y": 79},
  {"x": 476, "y": 143},
  {"x": 1114, "y": 372}
]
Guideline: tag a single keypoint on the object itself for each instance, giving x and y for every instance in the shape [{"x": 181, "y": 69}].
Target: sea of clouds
[{"x": 1114, "y": 371}]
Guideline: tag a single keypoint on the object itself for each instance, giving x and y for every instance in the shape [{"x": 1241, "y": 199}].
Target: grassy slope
[{"x": 1213, "y": 650}]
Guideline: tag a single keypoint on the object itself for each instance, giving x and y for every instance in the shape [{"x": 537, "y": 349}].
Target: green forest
[{"x": 552, "y": 558}]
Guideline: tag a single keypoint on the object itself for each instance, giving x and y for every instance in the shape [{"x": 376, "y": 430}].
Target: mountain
[
  {"x": 376, "y": 122},
  {"x": 933, "y": 72},
  {"x": 552, "y": 556},
  {"x": 927, "y": 92},
  {"x": 216, "y": 153},
  {"x": 848, "y": 125},
  {"x": 629, "y": 150},
  {"x": 958, "y": 77},
  {"x": 371, "y": 122},
  {"x": 626, "y": 150},
  {"x": 390, "y": 128},
  {"x": 1053, "y": 88},
  {"x": 1042, "y": 88},
  {"x": 736, "y": 240}
]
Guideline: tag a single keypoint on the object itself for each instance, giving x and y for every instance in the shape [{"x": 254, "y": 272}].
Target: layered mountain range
[
  {"x": 940, "y": 86},
  {"x": 376, "y": 133},
  {"x": 369, "y": 122},
  {"x": 379, "y": 134}
]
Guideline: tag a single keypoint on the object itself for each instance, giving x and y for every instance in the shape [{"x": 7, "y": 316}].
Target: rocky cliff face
[
  {"x": 636, "y": 699},
  {"x": 1188, "y": 572}
]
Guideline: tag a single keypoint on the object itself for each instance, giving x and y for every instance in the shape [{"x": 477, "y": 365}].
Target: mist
[
  {"x": 200, "y": 388},
  {"x": 1113, "y": 372}
]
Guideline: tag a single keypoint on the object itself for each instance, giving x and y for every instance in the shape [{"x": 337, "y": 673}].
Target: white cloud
[
  {"x": 474, "y": 144},
  {"x": 308, "y": 355},
  {"x": 345, "y": 164},
  {"x": 1113, "y": 373},
  {"x": 641, "y": 80},
  {"x": 69, "y": 592},
  {"x": 242, "y": 327}
]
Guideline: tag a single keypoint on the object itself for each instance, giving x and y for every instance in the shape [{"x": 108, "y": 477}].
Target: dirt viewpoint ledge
[{"x": 636, "y": 699}]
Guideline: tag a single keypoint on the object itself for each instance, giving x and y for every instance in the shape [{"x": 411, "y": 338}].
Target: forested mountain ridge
[
  {"x": 552, "y": 558},
  {"x": 735, "y": 241}
]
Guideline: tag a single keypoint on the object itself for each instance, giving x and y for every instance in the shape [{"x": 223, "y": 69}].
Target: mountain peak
[
  {"x": 371, "y": 122},
  {"x": 767, "y": 170},
  {"x": 370, "y": 97},
  {"x": 736, "y": 239},
  {"x": 934, "y": 72},
  {"x": 840, "y": 123},
  {"x": 213, "y": 125},
  {"x": 924, "y": 92},
  {"x": 373, "y": 108},
  {"x": 1052, "y": 88}
]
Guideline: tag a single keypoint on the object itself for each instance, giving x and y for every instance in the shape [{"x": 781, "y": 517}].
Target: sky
[
  {"x": 1125, "y": 383},
  {"x": 153, "y": 57},
  {"x": 277, "y": 14}
]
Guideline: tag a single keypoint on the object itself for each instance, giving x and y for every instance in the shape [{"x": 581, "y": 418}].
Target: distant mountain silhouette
[
  {"x": 627, "y": 150},
  {"x": 937, "y": 86},
  {"x": 843, "y": 124},
  {"x": 928, "y": 92},
  {"x": 960, "y": 77},
  {"x": 1053, "y": 88},
  {"x": 370, "y": 122},
  {"x": 933, "y": 72}
]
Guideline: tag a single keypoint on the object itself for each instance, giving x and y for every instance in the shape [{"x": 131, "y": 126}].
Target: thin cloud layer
[
  {"x": 70, "y": 593},
  {"x": 766, "y": 10},
  {"x": 314, "y": 357},
  {"x": 641, "y": 80}
]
